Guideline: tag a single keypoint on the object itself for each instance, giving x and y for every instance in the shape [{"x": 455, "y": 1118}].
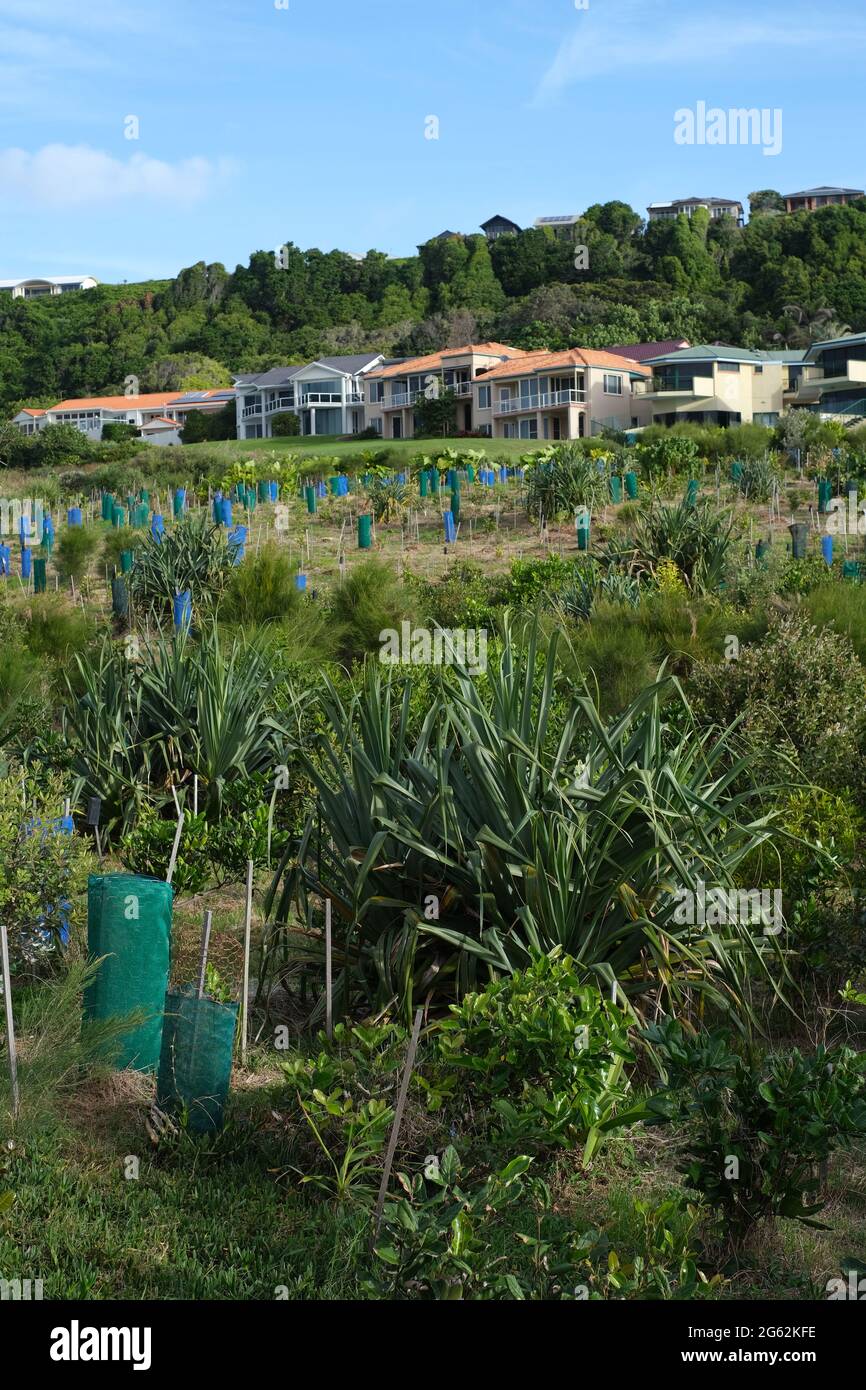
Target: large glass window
[
  {"x": 612, "y": 384},
  {"x": 483, "y": 397}
]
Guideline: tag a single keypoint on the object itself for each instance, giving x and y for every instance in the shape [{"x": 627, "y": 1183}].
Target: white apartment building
[{"x": 327, "y": 396}]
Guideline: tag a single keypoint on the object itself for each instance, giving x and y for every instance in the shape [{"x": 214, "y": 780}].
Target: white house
[
  {"x": 158, "y": 415},
  {"x": 33, "y": 288},
  {"x": 327, "y": 396}
]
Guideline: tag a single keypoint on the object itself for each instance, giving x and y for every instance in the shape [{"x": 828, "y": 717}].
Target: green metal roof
[{"x": 714, "y": 352}]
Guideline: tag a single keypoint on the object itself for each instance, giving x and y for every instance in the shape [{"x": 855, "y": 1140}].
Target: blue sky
[{"x": 261, "y": 122}]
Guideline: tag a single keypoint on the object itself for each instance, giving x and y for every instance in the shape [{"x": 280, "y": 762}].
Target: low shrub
[
  {"x": 370, "y": 600},
  {"x": 545, "y": 1051},
  {"x": 757, "y": 1128},
  {"x": 75, "y": 551}
]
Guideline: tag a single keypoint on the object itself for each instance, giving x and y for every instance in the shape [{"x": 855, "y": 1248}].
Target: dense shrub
[
  {"x": 75, "y": 551},
  {"x": 285, "y": 424},
  {"x": 544, "y": 1050},
  {"x": 801, "y": 691},
  {"x": 370, "y": 599},
  {"x": 757, "y": 1128}
]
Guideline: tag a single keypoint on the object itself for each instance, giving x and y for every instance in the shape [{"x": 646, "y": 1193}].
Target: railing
[
  {"x": 842, "y": 408},
  {"x": 399, "y": 400},
  {"x": 321, "y": 398},
  {"x": 513, "y": 405},
  {"x": 249, "y": 410},
  {"x": 682, "y": 386},
  {"x": 281, "y": 403},
  {"x": 570, "y": 397}
]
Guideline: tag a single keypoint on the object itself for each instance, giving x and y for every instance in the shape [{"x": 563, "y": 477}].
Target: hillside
[{"x": 779, "y": 281}]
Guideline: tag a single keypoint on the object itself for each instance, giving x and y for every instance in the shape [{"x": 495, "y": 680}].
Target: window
[
  {"x": 485, "y": 430},
  {"x": 612, "y": 384},
  {"x": 729, "y": 366},
  {"x": 759, "y": 368},
  {"x": 528, "y": 429},
  {"x": 377, "y": 391},
  {"x": 484, "y": 398}
]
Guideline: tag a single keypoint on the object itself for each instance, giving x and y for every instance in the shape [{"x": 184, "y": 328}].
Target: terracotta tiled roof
[
  {"x": 144, "y": 401},
  {"x": 154, "y": 398},
  {"x": 534, "y": 362},
  {"x": 434, "y": 360}
]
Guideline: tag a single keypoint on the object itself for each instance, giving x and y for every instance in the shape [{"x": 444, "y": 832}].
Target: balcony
[
  {"x": 540, "y": 400},
  {"x": 514, "y": 405},
  {"x": 250, "y": 410},
  {"x": 280, "y": 403},
  {"x": 400, "y": 400},
  {"x": 320, "y": 398},
  {"x": 688, "y": 386},
  {"x": 549, "y": 399},
  {"x": 814, "y": 380}
]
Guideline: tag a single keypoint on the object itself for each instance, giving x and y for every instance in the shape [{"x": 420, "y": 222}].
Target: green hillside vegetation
[{"x": 780, "y": 281}]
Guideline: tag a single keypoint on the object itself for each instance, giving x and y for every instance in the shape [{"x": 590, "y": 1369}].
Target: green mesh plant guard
[{"x": 129, "y": 924}]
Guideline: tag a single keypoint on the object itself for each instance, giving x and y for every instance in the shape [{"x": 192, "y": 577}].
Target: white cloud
[
  {"x": 77, "y": 175},
  {"x": 643, "y": 34}
]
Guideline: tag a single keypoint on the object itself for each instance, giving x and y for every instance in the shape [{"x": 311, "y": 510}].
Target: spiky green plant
[
  {"x": 184, "y": 708},
  {"x": 593, "y": 584},
  {"x": 564, "y": 479},
  {"x": 696, "y": 537},
  {"x": 387, "y": 497},
  {"x": 192, "y": 555},
  {"x": 521, "y": 841}
]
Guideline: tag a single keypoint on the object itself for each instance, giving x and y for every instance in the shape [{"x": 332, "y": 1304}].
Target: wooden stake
[
  {"x": 205, "y": 943},
  {"x": 175, "y": 847},
  {"x": 329, "y": 973},
  {"x": 398, "y": 1118},
  {"x": 248, "y": 920},
  {"x": 10, "y": 1022}
]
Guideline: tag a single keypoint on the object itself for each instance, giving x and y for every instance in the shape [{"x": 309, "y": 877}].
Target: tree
[
  {"x": 476, "y": 286},
  {"x": 766, "y": 200},
  {"x": 284, "y": 424},
  {"x": 436, "y": 416},
  {"x": 189, "y": 371}
]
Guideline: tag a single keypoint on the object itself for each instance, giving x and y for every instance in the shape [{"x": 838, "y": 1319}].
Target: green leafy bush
[
  {"x": 437, "y": 1242},
  {"x": 757, "y": 1128},
  {"x": 544, "y": 1050},
  {"x": 285, "y": 424}
]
